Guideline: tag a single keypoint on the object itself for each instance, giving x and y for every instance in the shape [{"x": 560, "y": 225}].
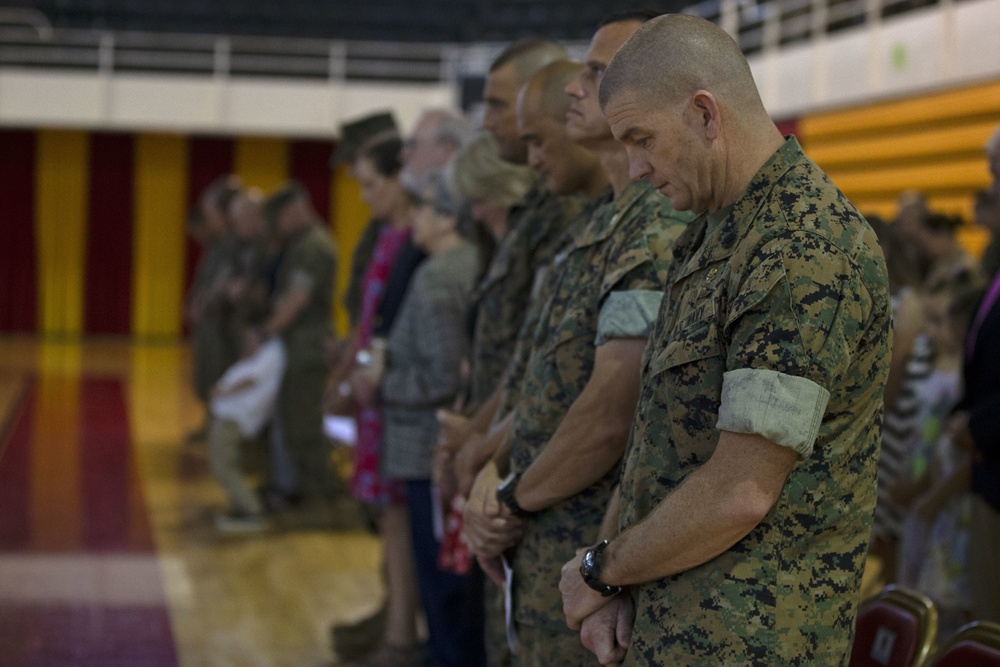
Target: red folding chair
[
  {"x": 974, "y": 645},
  {"x": 896, "y": 628}
]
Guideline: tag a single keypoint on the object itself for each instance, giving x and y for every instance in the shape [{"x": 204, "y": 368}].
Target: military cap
[{"x": 356, "y": 133}]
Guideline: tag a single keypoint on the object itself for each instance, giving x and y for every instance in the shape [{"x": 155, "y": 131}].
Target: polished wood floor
[{"x": 108, "y": 555}]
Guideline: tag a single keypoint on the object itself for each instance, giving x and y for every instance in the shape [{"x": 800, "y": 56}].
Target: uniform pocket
[
  {"x": 684, "y": 386},
  {"x": 696, "y": 341}
]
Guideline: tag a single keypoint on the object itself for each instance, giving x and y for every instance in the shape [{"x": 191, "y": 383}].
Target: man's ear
[{"x": 706, "y": 111}]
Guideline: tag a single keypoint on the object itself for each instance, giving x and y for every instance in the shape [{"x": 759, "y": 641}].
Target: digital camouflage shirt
[
  {"x": 502, "y": 296},
  {"x": 514, "y": 373},
  {"x": 608, "y": 284},
  {"x": 309, "y": 263},
  {"x": 776, "y": 322}
]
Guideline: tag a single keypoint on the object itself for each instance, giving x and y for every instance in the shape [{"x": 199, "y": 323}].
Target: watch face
[
  {"x": 506, "y": 482},
  {"x": 587, "y": 565}
]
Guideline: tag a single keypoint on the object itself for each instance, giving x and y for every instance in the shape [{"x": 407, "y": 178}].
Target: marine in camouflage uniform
[
  {"x": 214, "y": 348},
  {"x": 501, "y": 300},
  {"x": 502, "y": 296},
  {"x": 776, "y": 322},
  {"x": 514, "y": 373},
  {"x": 308, "y": 263},
  {"x": 608, "y": 284}
]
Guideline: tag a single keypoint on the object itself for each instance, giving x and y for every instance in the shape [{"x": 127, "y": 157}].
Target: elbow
[{"x": 747, "y": 505}]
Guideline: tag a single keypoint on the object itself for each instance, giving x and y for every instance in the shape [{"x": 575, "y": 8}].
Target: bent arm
[
  {"x": 592, "y": 436},
  {"x": 713, "y": 509},
  {"x": 291, "y": 302}
]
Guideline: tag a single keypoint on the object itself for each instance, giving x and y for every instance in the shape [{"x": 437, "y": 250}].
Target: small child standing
[
  {"x": 934, "y": 547},
  {"x": 242, "y": 404}
]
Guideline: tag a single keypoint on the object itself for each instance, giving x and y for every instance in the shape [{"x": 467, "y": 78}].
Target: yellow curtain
[
  {"x": 158, "y": 238},
  {"x": 62, "y": 170},
  {"x": 261, "y": 162}
]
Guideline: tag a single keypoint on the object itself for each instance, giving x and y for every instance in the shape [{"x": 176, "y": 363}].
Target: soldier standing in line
[
  {"x": 300, "y": 315},
  {"x": 746, "y": 499},
  {"x": 579, "y": 390},
  {"x": 207, "y": 311},
  {"x": 501, "y": 297}
]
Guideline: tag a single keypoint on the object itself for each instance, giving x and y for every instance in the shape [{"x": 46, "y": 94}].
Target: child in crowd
[
  {"x": 242, "y": 404},
  {"x": 934, "y": 489}
]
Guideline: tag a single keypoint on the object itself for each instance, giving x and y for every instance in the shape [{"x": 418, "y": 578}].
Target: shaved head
[
  {"x": 565, "y": 166},
  {"x": 545, "y": 91},
  {"x": 672, "y": 57},
  {"x": 527, "y": 56},
  {"x": 508, "y": 73}
]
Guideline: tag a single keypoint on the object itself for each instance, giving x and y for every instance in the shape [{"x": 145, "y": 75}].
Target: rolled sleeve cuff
[
  {"x": 628, "y": 314},
  {"x": 785, "y": 409}
]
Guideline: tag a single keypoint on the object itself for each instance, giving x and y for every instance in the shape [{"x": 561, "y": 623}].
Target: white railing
[
  {"x": 27, "y": 40},
  {"x": 806, "y": 55}
]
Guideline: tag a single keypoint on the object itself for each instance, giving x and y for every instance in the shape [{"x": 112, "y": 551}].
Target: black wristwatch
[
  {"x": 590, "y": 570},
  {"x": 505, "y": 494}
]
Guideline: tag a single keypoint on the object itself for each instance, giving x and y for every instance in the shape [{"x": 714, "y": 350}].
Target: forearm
[
  {"x": 609, "y": 525},
  {"x": 713, "y": 509},
  {"x": 589, "y": 442},
  {"x": 286, "y": 309},
  {"x": 591, "y": 437},
  {"x": 484, "y": 416},
  {"x": 496, "y": 445}
]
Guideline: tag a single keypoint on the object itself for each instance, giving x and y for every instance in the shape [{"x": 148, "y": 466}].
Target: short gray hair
[{"x": 453, "y": 129}]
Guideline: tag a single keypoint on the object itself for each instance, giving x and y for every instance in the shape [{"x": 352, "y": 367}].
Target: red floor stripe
[
  {"x": 110, "y": 485},
  {"x": 118, "y": 617},
  {"x": 15, "y": 475}
]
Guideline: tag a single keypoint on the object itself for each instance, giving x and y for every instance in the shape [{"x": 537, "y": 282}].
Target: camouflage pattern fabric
[
  {"x": 625, "y": 248},
  {"x": 548, "y": 649},
  {"x": 502, "y": 296},
  {"x": 213, "y": 349},
  {"x": 514, "y": 373},
  {"x": 786, "y": 289},
  {"x": 309, "y": 262}
]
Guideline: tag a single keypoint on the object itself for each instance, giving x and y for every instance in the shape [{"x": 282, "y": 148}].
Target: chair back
[
  {"x": 974, "y": 645},
  {"x": 895, "y": 628}
]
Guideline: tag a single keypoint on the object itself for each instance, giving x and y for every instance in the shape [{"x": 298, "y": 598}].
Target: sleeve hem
[
  {"x": 785, "y": 409},
  {"x": 627, "y": 314}
]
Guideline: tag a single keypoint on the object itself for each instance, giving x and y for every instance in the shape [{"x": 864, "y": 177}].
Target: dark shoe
[
  {"x": 275, "y": 500},
  {"x": 351, "y": 642},
  {"x": 240, "y": 523}
]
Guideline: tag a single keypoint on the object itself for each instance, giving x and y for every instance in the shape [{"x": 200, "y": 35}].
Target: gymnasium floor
[{"x": 108, "y": 557}]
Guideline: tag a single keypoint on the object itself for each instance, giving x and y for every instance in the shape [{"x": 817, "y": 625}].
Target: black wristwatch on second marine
[
  {"x": 505, "y": 494},
  {"x": 590, "y": 570}
]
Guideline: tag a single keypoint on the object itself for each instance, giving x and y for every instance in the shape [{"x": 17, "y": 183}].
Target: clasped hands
[
  {"x": 489, "y": 527},
  {"x": 605, "y": 623}
]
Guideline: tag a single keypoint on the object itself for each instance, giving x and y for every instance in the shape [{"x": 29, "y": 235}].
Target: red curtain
[
  {"x": 310, "y": 165},
  {"x": 208, "y": 158},
  {"x": 108, "y": 293},
  {"x": 18, "y": 286}
]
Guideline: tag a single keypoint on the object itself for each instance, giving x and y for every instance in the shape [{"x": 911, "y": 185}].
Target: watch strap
[
  {"x": 505, "y": 494},
  {"x": 590, "y": 570}
]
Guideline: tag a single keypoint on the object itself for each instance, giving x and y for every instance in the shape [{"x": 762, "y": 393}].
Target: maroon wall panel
[
  {"x": 108, "y": 281},
  {"x": 18, "y": 280},
  {"x": 208, "y": 158},
  {"x": 310, "y": 165}
]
